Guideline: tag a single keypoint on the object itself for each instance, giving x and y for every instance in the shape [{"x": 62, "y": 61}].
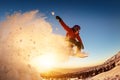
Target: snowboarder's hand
[{"x": 58, "y": 18}]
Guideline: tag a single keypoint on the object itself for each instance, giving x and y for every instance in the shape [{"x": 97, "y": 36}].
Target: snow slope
[{"x": 109, "y": 75}]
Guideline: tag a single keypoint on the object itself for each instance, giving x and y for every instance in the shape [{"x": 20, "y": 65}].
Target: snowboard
[{"x": 80, "y": 55}]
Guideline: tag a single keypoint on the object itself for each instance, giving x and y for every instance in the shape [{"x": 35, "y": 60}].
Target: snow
[
  {"x": 109, "y": 70},
  {"x": 23, "y": 37},
  {"x": 53, "y": 13},
  {"x": 18, "y": 47},
  {"x": 113, "y": 74},
  {"x": 109, "y": 75}
]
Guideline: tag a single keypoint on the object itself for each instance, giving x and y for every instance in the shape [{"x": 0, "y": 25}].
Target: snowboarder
[{"x": 72, "y": 35}]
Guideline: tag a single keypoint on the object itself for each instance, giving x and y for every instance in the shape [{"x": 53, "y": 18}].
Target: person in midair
[{"x": 72, "y": 35}]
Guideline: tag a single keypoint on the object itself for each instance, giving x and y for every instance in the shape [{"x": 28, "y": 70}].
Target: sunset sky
[{"x": 99, "y": 21}]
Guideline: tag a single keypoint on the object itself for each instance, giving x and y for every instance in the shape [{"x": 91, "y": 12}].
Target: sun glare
[
  {"x": 44, "y": 62},
  {"x": 47, "y": 60}
]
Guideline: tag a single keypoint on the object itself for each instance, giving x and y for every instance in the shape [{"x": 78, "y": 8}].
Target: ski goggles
[{"x": 77, "y": 29}]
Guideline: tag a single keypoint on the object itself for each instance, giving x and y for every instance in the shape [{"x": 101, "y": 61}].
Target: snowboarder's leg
[
  {"x": 70, "y": 45},
  {"x": 78, "y": 45}
]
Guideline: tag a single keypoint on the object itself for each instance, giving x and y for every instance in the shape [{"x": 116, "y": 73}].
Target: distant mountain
[
  {"x": 113, "y": 74},
  {"x": 113, "y": 58},
  {"x": 109, "y": 69}
]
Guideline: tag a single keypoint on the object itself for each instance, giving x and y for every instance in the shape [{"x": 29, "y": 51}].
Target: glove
[{"x": 58, "y": 18}]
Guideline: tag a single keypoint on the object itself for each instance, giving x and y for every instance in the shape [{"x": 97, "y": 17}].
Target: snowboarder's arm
[
  {"x": 62, "y": 23},
  {"x": 79, "y": 39}
]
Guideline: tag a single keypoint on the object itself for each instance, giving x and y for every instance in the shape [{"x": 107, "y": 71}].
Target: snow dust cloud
[{"x": 24, "y": 36}]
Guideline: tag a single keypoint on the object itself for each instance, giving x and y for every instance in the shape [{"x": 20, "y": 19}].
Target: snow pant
[{"x": 73, "y": 42}]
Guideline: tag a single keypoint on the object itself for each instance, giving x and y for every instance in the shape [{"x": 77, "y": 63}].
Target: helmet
[{"x": 76, "y": 27}]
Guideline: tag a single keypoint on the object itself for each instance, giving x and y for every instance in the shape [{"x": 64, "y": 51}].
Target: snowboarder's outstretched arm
[{"x": 63, "y": 23}]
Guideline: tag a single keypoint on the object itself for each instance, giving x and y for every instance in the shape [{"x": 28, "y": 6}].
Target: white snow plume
[
  {"x": 53, "y": 13},
  {"x": 23, "y": 37}
]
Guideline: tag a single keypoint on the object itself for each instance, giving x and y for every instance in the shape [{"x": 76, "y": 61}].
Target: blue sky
[{"x": 99, "y": 21}]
